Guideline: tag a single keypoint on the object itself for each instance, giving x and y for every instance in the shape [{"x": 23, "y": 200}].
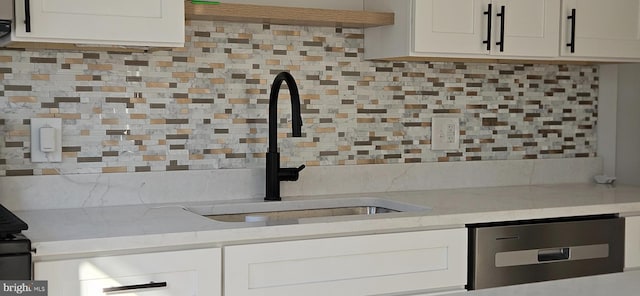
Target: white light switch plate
[
  {"x": 445, "y": 133},
  {"x": 36, "y": 154}
]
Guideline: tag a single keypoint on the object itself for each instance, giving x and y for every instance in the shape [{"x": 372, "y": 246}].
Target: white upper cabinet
[
  {"x": 113, "y": 22},
  {"x": 530, "y": 28},
  {"x": 466, "y": 28},
  {"x": 449, "y": 26},
  {"x": 609, "y": 29},
  {"x": 584, "y": 30}
]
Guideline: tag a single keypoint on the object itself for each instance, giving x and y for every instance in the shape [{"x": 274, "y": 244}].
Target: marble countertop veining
[{"x": 109, "y": 230}]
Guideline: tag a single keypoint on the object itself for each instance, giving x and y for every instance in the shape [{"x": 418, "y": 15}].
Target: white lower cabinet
[
  {"x": 183, "y": 273},
  {"x": 632, "y": 243},
  {"x": 356, "y": 265}
]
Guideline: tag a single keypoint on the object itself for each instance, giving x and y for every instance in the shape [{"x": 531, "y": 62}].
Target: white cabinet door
[
  {"x": 530, "y": 28},
  {"x": 632, "y": 243},
  {"x": 466, "y": 29},
  {"x": 113, "y": 22},
  {"x": 608, "y": 29},
  {"x": 450, "y": 26},
  {"x": 357, "y": 265},
  {"x": 462, "y": 27},
  {"x": 193, "y": 272}
]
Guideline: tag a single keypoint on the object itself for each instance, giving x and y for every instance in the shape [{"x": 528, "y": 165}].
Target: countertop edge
[{"x": 152, "y": 238}]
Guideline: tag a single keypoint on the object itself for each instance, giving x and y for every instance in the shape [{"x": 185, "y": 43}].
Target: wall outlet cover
[
  {"x": 37, "y": 155},
  {"x": 445, "y": 133}
]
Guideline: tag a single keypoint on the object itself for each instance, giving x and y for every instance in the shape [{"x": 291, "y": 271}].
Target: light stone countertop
[
  {"x": 614, "y": 284},
  {"x": 67, "y": 233}
]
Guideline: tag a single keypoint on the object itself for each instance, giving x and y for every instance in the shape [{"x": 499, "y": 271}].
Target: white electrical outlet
[
  {"x": 445, "y": 133},
  {"x": 46, "y": 140}
]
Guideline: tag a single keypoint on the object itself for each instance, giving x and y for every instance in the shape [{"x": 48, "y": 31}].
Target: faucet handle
[{"x": 290, "y": 174}]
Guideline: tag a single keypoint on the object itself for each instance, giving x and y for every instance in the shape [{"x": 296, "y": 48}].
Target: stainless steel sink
[
  {"x": 293, "y": 212},
  {"x": 292, "y": 215}
]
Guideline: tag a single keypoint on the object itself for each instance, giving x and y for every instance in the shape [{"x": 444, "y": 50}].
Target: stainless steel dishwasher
[{"x": 502, "y": 254}]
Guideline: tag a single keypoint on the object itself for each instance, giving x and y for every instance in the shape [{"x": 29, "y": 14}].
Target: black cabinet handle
[
  {"x": 501, "y": 15},
  {"x": 488, "y": 13},
  {"x": 572, "y": 42},
  {"x": 135, "y": 287},
  {"x": 27, "y": 15}
]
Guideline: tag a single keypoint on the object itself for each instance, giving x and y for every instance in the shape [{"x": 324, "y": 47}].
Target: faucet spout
[{"x": 275, "y": 174}]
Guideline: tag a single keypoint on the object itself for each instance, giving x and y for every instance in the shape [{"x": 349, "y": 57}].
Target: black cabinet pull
[
  {"x": 27, "y": 15},
  {"x": 488, "y": 13},
  {"x": 572, "y": 43},
  {"x": 501, "y": 15},
  {"x": 135, "y": 287}
]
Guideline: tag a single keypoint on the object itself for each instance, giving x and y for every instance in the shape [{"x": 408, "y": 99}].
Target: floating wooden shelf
[
  {"x": 287, "y": 15},
  {"x": 80, "y": 47},
  {"x": 245, "y": 13}
]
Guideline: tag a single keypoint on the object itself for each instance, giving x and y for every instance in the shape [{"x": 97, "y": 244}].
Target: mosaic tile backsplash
[{"x": 205, "y": 106}]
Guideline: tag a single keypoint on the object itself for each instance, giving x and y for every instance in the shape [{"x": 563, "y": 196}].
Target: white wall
[
  {"x": 628, "y": 125},
  {"x": 325, "y": 4},
  {"x": 607, "y": 121}
]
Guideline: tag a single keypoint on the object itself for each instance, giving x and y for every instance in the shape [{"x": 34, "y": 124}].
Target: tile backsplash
[{"x": 205, "y": 106}]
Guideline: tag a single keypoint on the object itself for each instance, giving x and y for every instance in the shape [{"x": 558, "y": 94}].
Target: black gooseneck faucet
[{"x": 275, "y": 174}]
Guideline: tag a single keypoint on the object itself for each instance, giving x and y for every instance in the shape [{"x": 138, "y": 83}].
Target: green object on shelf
[{"x": 204, "y": 2}]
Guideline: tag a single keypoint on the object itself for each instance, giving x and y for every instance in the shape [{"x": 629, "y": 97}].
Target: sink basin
[
  {"x": 299, "y": 214},
  {"x": 293, "y": 212}
]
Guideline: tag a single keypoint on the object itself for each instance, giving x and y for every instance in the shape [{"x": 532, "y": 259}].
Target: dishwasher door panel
[{"x": 515, "y": 254}]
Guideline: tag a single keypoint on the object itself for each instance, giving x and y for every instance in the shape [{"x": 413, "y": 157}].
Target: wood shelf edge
[
  {"x": 287, "y": 15},
  {"x": 77, "y": 47}
]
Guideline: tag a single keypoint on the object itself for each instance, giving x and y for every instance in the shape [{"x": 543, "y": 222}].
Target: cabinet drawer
[
  {"x": 360, "y": 265},
  {"x": 157, "y": 284},
  {"x": 193, "y": 272}
]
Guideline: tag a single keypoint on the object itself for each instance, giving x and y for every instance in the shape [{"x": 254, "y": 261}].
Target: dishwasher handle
[{"x": 557, "y": 254}]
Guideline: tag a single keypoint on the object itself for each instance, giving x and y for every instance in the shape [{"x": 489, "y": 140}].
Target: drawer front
[
  {"x": 159, "y": 284},
  {"x": 361, "y": 265},
  {"x": 193, "y": 272}
]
